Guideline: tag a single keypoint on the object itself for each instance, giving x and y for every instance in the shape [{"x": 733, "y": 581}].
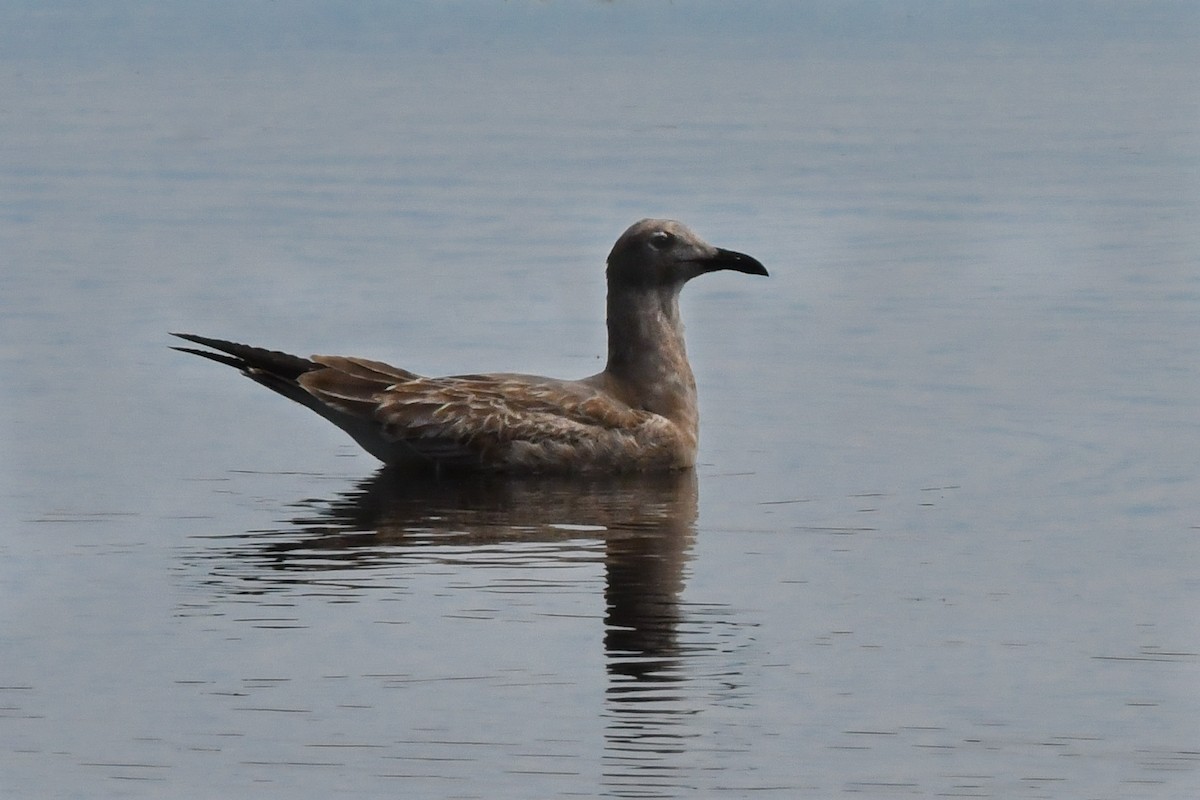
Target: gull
[{"x": 638, "y": 414}]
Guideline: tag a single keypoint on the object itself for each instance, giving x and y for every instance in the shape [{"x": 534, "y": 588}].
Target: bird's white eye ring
[{"x": 661, "y": 240}]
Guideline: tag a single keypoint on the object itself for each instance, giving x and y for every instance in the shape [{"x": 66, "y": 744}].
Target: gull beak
[{"x": 731, "y": 259}]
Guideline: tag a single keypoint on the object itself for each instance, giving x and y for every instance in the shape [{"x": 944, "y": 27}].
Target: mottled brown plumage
[{"x": 638, "y": 414}]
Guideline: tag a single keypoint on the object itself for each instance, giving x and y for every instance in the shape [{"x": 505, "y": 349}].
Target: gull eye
[{"x": 661, "y": 240}]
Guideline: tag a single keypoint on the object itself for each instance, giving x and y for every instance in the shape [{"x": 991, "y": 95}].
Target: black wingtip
[
  {"x": 207, "y": 341},
  {"x": 247, "y": 357},
  {"x": 220, "y": 358}
]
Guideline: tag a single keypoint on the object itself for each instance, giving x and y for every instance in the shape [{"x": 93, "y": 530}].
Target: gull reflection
[{"x": 643, "y": 525}]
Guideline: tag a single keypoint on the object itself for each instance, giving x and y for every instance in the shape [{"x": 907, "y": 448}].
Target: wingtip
[
  {"x": 191, "y": 337},
  {"x": 220, "y": 358},
  {"x": 247, "y": 357}
]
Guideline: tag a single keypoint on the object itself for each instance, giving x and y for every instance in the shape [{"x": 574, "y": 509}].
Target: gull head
[{"x": 663, "y": 253}]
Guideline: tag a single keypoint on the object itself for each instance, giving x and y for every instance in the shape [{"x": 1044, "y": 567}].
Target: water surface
[{"x": 943, "y": 537}]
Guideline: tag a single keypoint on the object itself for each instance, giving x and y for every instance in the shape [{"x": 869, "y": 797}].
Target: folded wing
[
  {"x": 503, "y": 421},
  {"x": 496, "y": 422}
]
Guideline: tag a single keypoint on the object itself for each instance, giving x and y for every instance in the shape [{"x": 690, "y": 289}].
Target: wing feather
[
  {"x": 484, "y": 419},
  {"x": 364, "y": 368}
]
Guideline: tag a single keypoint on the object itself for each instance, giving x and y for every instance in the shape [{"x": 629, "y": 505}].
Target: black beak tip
[{"x": 740, "y": 262}]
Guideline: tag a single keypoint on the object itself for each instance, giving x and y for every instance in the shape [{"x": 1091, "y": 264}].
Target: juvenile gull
[{"x": 639, "y": 413}]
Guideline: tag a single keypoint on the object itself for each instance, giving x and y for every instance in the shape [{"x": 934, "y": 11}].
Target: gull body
[{"x": 638, "y": 414}]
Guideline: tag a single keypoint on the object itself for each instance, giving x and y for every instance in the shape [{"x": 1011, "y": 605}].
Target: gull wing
[{"x": 500, "y": 421}]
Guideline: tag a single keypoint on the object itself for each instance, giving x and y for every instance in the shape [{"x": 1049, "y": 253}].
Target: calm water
[{"x": 945, "y": 536}]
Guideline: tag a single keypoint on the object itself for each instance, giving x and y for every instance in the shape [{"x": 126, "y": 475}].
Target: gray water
[{"x": 944, "y": 538}]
